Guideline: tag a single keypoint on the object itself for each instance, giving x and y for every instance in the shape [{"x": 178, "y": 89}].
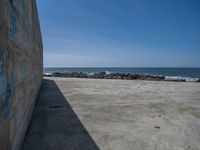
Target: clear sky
[{"x": 120, "y": 33}]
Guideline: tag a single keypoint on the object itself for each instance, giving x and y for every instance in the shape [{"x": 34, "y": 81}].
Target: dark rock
[
  {"x": 103, "y": 75},
  {"x": 157, "y": 78},
  {"x": 109, "y": 76},
  {"x": 46, "y": 75},
  {"x": 135, "y": 76},
  {"x": 177, "y": 80},
  {"x": 99, "y": 75},
  {"x": 57, "y": 74},
  {"x": 129, "y": 76},
  {"x": 117, "y": 76}
]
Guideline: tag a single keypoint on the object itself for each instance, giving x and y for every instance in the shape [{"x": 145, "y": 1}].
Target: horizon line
[{"x": 114, "y": 67}]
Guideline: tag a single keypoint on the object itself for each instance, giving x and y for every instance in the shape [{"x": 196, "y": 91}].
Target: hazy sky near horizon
[{"x": 120, "y": 33}]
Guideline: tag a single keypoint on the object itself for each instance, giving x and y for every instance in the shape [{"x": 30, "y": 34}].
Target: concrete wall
[{"x": 21, "y": 69}]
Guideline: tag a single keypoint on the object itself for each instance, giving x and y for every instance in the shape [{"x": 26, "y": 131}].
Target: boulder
[
  {"x": 117, "y": 76},
  {"x": 100, "y": 75},
  {"x": 57, "y": 74}
]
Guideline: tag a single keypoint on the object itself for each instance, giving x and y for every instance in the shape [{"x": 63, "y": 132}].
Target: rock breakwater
[{"x": 122, "y": 76}]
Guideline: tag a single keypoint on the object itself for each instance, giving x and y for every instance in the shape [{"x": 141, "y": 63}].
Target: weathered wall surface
[{"x": 20, "y": 69}]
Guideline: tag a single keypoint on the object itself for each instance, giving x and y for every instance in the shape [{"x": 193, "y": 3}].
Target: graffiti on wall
[
  {"x": 2, "y": 69},
  {"x": 14, "y": 20},
  {"x": 7, "y": 85},
  {"x": 2, "y": 80},
  {"x": 22, "y": 11},
  {"x": 8, "y": 95}
]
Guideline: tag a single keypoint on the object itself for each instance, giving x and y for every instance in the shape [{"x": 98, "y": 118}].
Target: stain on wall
[
  {"x": 6, "y": 86},
  {"x": 21, "y": 69},
  {"x": 2, "y": 61},
  {"x": 14, "y": 20},
  {"x": 7, "y": 97},
  {"x": 22, "y": 11},
  {"x": 2, "y": 81}
]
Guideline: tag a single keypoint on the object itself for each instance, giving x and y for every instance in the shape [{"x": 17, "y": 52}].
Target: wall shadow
[{"x": 54, "y": 125}]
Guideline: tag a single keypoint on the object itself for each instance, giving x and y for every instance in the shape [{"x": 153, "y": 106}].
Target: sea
[{"x": 189, "y": 74}]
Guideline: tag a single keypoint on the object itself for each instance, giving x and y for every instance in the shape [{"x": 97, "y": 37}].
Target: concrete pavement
[{"x": 115, "y": 114}]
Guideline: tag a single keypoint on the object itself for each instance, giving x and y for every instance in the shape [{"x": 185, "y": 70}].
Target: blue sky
[{"x": 120, "y": 33}]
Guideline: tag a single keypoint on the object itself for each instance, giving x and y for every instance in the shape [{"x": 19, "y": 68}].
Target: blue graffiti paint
[
  {"x": 22, "y": 11},
  {"x": 9, "y": 93},
  {"x": 2, "y": 71},
  {"x": 14, "y": 20},
  {"x": 6, "y": 85}
]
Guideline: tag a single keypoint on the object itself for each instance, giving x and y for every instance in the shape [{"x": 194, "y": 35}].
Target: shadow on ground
[{"x": 54, "y": 125}]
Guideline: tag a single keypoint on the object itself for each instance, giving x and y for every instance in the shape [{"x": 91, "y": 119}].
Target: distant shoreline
[{"x": 122, "y": 76}]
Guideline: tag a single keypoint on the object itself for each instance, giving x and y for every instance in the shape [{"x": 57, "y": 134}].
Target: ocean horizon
[{"x": 187, "y": 73}]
